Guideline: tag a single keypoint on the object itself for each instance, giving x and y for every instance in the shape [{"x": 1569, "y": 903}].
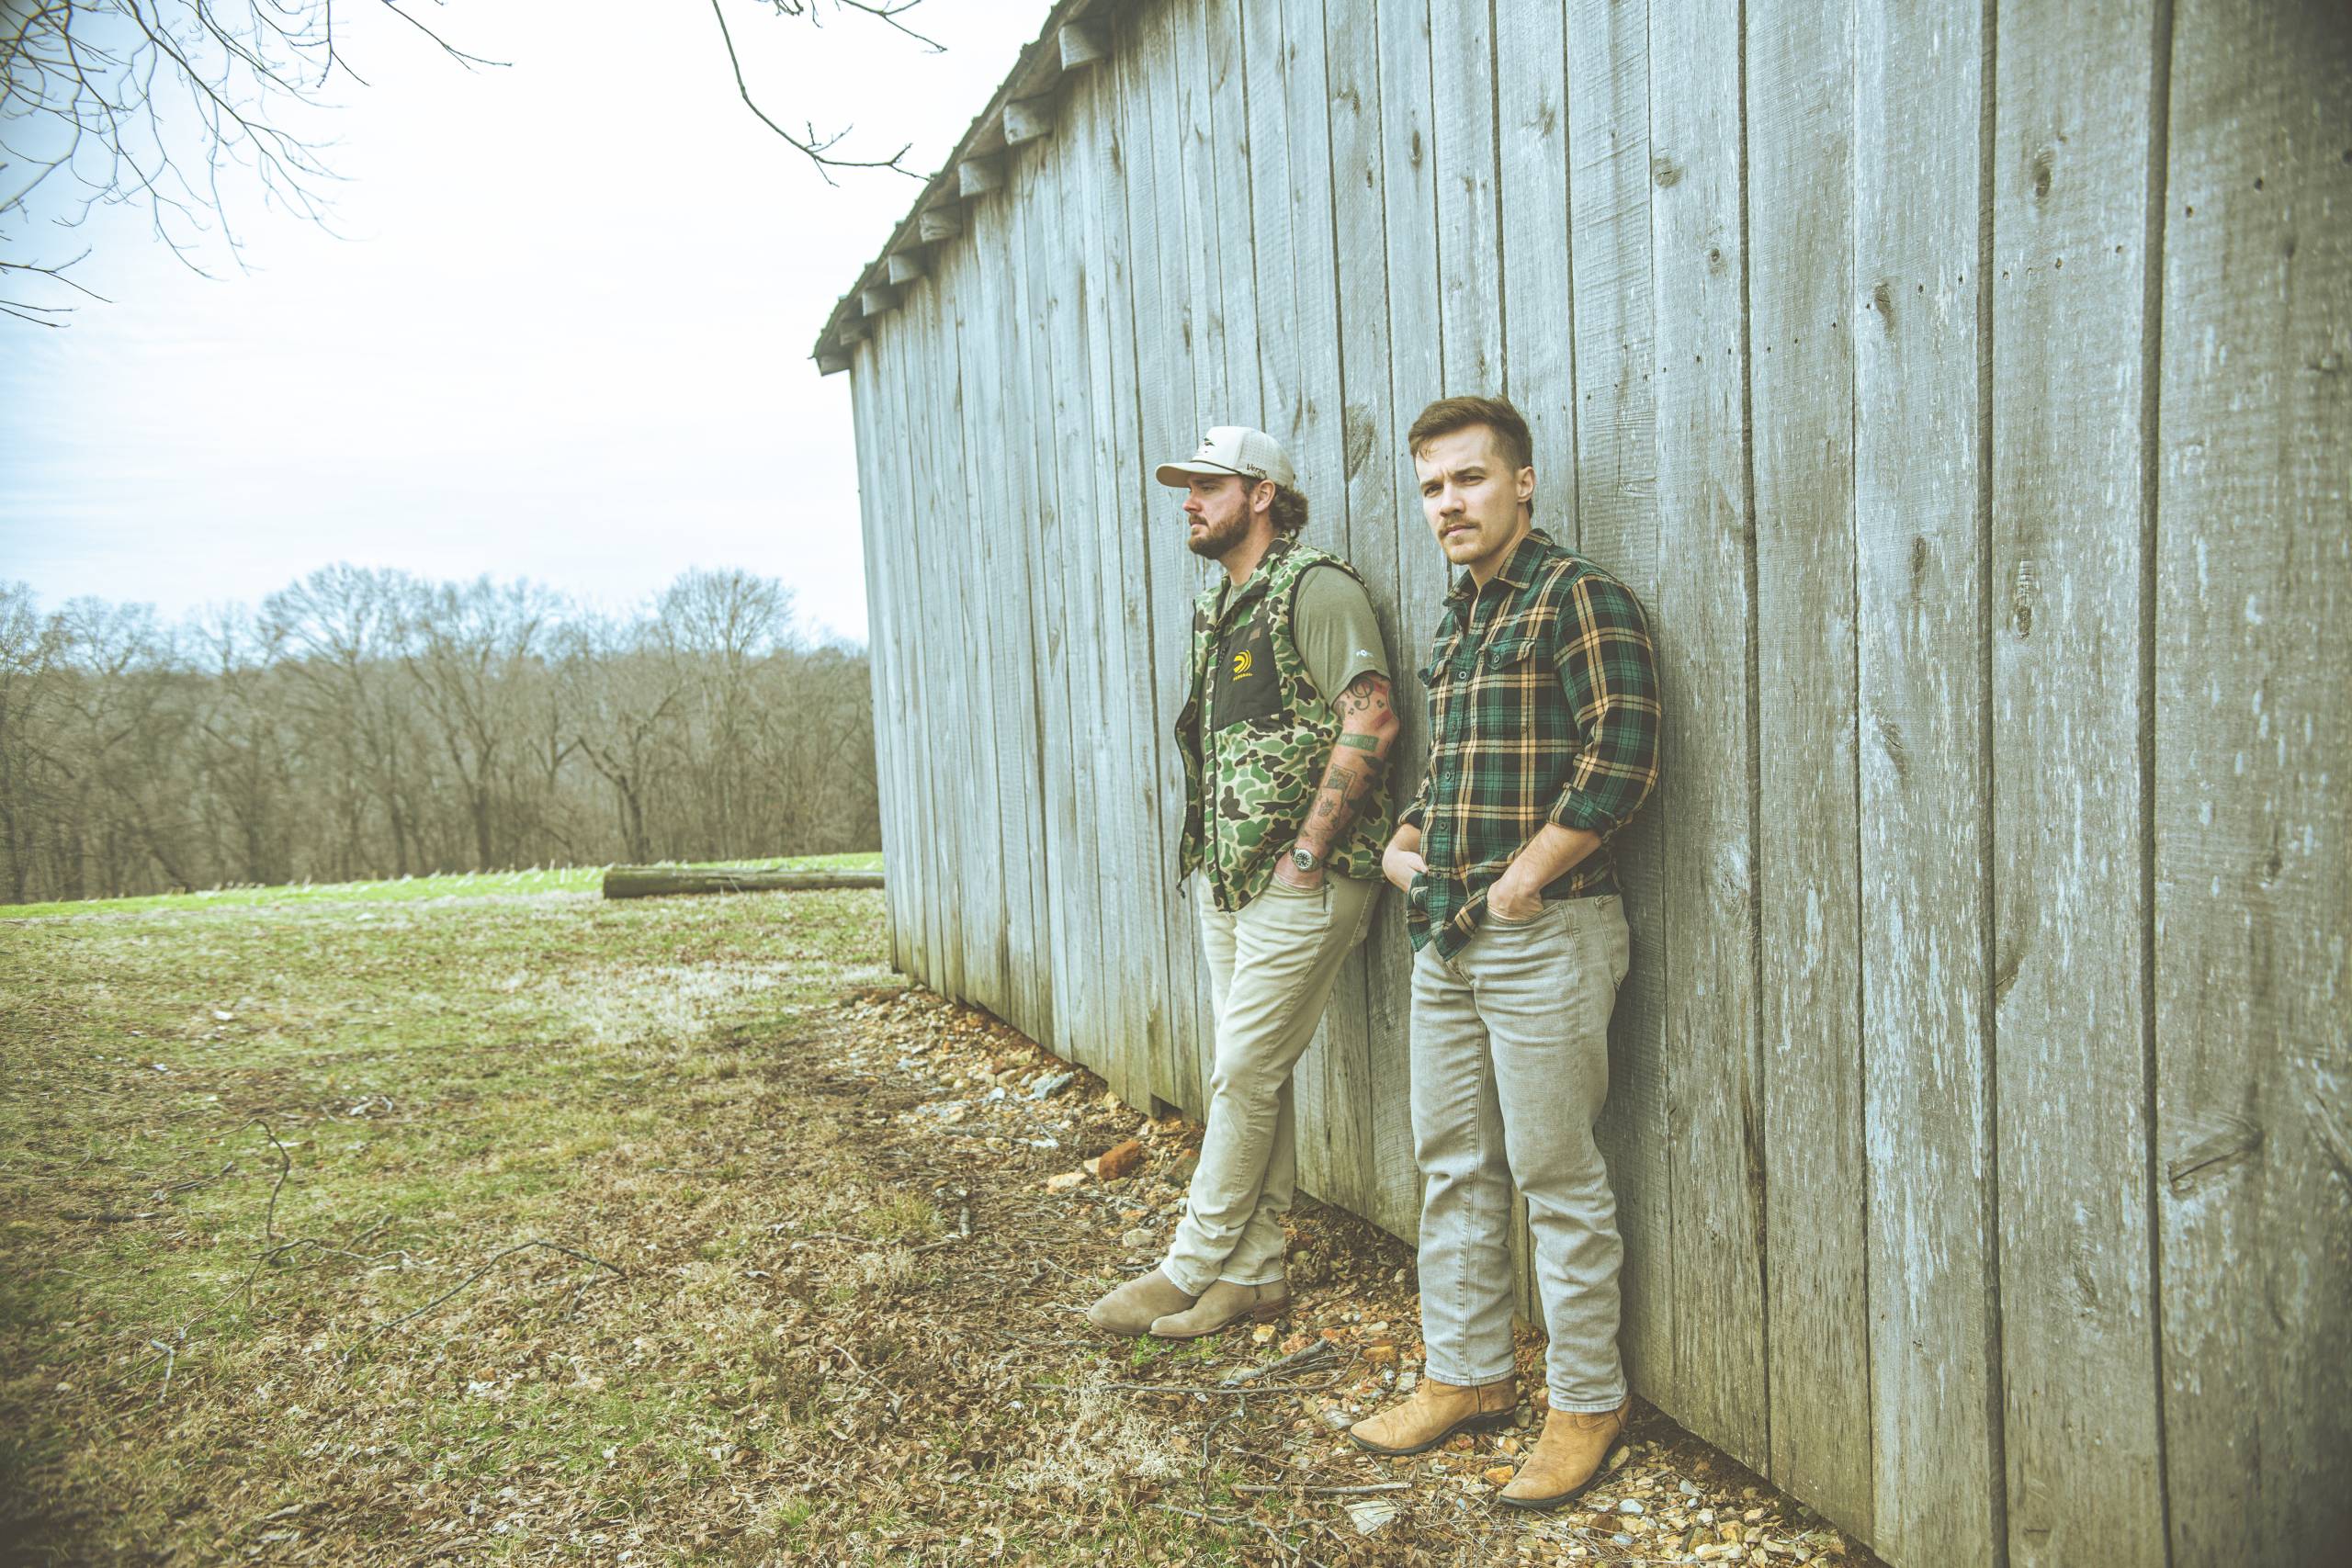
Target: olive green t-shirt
[
  {"x": 1333, "y": 624},
  {"x": 1335, "y": 628}
]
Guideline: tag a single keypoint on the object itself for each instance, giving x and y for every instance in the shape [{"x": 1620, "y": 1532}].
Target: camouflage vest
[{"x": 1252, "y": 771}]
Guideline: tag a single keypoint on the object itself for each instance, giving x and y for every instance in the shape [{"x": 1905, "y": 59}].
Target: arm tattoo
[{"x": 1358, "y": 760}]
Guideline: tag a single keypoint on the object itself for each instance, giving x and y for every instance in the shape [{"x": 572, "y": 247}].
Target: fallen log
[{"x": 654, "y": 881}]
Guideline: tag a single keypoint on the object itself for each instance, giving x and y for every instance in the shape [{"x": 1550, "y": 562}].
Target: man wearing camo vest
[{"x": 1285, "y": 743}]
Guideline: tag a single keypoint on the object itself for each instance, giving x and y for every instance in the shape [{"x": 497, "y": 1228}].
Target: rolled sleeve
[
  {"x": 1609, "y": 674},
  {"x": 1416, "y": 814}
]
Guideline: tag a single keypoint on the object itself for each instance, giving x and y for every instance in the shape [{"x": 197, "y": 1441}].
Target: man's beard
[{"x": 1213, "y": 542}]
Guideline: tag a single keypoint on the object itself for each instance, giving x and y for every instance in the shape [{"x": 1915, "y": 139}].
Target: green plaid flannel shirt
[{"x": 1543, "y": 709}]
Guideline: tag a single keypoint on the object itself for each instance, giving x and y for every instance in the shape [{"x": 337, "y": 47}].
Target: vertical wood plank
[
  {"x": 927, "y": 380},
  {"x": 2252, "y": 832},
  {"x": 1920, "y": 451},
  {"x": 1531, "y": 131},
  {"x": 1067, "y": 874},
  {"x": 1462, "y": 65},
  {"x": 1705, "y": 627},
  {"x": 1800, "y": 87},
  {"x": 2073, "y": 125},
  {"x": 988, "y": 895},
  {"x": 1168, "y": 373},
  {"x": 1416, "y": 375},
  {"x": 1124, "y": 605},
  {"x": 1234, "y": 237},
  {"x": 1335, "y": 92},
  {"x": 1615, "y": 516}
]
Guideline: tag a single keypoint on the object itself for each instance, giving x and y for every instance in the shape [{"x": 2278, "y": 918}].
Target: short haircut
[
  {"x": 1289, "y": 511},
  {"x": 1447, "y": 416}
]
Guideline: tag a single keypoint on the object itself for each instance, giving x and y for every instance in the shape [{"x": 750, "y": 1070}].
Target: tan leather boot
[
  {"x": 1435, "y": 1411},
  {"x": 1565, "y": 1458},
  {"x": 1131, "y": 1308},
  {"x": 1223, "y": 1303}
]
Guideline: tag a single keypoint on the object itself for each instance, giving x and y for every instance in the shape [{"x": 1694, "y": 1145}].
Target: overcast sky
[{"x": 566, "y": 337}]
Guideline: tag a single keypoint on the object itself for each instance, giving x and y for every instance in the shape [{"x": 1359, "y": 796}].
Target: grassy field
[
  {"x": 480, "y": 1220},
  {"x": 245, "y": 1134}
]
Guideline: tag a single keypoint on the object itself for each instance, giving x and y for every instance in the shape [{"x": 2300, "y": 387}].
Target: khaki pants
[
  {"x": 1510, "y": 1067},
  {"x": 1271, "y": 966}
]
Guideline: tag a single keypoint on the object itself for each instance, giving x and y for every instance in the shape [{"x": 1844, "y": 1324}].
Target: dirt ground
[{"x": 534, "y": 1229}]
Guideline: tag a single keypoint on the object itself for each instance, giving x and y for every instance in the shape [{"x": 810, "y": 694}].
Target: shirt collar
[{"x": 1518, "y": 569}]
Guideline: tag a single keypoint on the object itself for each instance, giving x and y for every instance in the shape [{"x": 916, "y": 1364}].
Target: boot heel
[
  {"x": 1269, "y": 1311},
  {"x": 1491, "y": 1423}
]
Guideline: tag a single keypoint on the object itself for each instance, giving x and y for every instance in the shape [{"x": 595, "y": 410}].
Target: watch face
[{"x": 1302, "y": 860}]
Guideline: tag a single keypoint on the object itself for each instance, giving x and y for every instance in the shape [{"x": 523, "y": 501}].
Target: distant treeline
[{"x": 366, "y": 724}]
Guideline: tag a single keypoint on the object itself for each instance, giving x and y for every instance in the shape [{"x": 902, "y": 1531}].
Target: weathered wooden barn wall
[{"x": 1964, "y": 390}]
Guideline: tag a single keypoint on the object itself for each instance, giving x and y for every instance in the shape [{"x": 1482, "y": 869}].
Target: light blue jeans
[
  {"x": 1271, "y": 967},
  {"x": 1510, "y": 1067}
]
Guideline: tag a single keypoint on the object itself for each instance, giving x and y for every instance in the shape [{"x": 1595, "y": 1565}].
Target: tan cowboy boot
[
  {"x": 1565, "y": 1458},
  {"x": 1131, "y": 1308},
  {"x": 1222, "y": 1304},
  {"x": 1435, "y": 1411}
]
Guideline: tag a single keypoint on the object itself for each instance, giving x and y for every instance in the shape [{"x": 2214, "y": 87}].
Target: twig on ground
[
  {"x": 171, "y": 1359},
  {"x": 1332, "y": 1491},
  {"x": 1242, "y": 1392},
  {"x": 1314, "y": 1356},
  {"x": 285, "y": 1168},
  {"x": 199, "y": 1181},
  {"x": 488, "y": 1264},
  {"x": 869, "y": 1377}
]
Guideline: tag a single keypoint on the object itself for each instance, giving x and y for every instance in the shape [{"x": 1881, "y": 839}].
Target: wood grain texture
[
  {"x": 1368, "y": 1097},
  {"x": 1705, "y": 627},
  {"x": 1167, "y": 374},
  {"x": 1920, "y": 457},
  {"x": 1132, "y": 842},
  {"x": 1611, "y": 497},
  {"x": 2253, "y": 829},
  {"x": 1416, "y": 375},
  {"x": 1800, "y": 90},
  {"x": 2074, "y": 122},
  {"x": 1461, "y": 64},
  {"x": 1967, "y": 386},
  {"x": 1068, "y": 874}
]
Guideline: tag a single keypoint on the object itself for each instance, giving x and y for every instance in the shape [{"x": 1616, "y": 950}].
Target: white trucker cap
[{"x": 1234, "y": 449}]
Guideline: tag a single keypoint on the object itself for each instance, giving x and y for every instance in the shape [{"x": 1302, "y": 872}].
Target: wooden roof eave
[{"x": 1040, "y": 65}]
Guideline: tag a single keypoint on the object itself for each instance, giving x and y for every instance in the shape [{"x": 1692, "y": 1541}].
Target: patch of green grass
[
  {"x": 902, "y": 1217},
  {"x": 453, "y": 884}
]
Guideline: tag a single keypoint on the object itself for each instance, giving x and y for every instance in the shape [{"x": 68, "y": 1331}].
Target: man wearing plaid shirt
[{"x": 1543, "y": 732}]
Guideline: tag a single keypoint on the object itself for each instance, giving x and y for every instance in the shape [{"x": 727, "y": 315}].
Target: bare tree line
[{"x": 365, "y": 723}]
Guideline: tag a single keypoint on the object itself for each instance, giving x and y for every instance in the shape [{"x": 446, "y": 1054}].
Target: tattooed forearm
[{"x": 1359, "y": 759}]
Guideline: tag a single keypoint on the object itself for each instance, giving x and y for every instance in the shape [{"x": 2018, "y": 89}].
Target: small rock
[
  {"x": 1120, "y": 1159},
  {"x": 1404, "y": 1382},
  {"x": 1380, "y": 1355},
  {"x": 1507, "y": 1445},
  {"x": 1629, "y": 1506},
  {"x": 1335, "y": 1418},
  {"x": 1137, "y": 1239},
  {"x": 1689, "y": 1490},
  {"x": 1065, "y": 1181},
  {"x": 1046, "y": 1088},
  {"x": 1261, "y": 1334},
  {"x": 1369, "y": 1514},
  {"x": 1623, "y": 1540},
  {"x": 1620, "y": 1457},
  {"x": 1499, "y": 1476}
]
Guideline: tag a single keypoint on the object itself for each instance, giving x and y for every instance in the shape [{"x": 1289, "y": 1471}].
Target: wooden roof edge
[{"x": 1037, "y": 68}]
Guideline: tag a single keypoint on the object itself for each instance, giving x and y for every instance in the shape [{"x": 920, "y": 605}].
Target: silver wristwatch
[{"x": 1303, "y": 858}]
